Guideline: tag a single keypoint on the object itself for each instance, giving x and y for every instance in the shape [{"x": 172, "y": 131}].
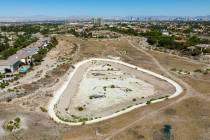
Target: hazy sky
[{"x": 104, "y": 7}]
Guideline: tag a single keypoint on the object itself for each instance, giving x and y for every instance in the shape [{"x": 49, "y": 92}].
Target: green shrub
[
  {"x": 148, "y": 102},
  {"x": 112, "y": 86},
  {"x": 43, "y": 109},
  {"x": 198, "y": 70},
  {"x": 10, "y": 128},
  {"x": 104, "y": 88},
  {"x": 205, "y": 72},
  {"x": 173, "y": 69},
  {"x": 12, "y": 124},
  {"x": 4, "y": 84},
  {"x": 80, "y": 108},
  {"x": 17, "y": 119}
]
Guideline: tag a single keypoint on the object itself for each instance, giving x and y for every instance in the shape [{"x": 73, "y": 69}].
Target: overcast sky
[{"x": 63, "y": 8}]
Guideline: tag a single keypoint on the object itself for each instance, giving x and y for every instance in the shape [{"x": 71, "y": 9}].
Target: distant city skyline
[{"x": 104, "y": 8}]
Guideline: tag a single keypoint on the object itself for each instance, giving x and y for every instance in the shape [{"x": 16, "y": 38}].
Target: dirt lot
[
  {"x": 113, "y": 86},
  {"x": 187, "y": 116}
]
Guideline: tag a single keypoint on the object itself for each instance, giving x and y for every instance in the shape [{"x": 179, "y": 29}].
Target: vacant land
[
  {"x": 102, "y": 88},
  {"x": 187, "y": 116}
]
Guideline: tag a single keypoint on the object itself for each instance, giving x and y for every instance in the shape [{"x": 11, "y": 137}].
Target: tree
[
  {"x": 8, "y": 52},
  {"x": 192, "y": 41},
  {"x": 38, "y": 57},
  {"x": 152, "y": 41},
  {"x": 24, "y": 40}
]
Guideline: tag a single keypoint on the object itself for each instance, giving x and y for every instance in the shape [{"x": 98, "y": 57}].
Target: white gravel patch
[{"x": 87, "y": 84}]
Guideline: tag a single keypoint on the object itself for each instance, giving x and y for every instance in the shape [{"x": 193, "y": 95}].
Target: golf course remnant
[{"x": 100, "y": 89}]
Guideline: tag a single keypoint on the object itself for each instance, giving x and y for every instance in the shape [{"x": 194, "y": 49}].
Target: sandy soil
[
  {"x": 187, "y": 114},
  {"x": 100, "y": 89}
]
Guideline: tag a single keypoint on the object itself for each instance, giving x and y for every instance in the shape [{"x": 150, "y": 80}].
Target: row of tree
[
  {"x": 169, "y": 42},
  {"x": 21, "y": 42},
  {"x": 43, "y": 52},
  {"x": 127, "y": 31}
]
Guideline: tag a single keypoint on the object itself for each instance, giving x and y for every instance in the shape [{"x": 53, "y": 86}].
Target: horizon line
[{"x": 106, "y": 16}]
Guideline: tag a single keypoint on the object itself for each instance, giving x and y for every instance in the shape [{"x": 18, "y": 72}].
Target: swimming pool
[{"x": 23, "y": 69}]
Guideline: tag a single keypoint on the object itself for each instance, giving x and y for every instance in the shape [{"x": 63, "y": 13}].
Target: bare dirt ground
[
  {"x": 102, "y": 88},
  {"x": 187, "y": 115}
]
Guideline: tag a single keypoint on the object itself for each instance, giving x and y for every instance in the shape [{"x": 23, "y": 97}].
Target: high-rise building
[{"x": 97, "y": 21}]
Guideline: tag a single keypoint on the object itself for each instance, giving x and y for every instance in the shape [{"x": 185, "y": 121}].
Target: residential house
[{"x": 23, "y": 56}]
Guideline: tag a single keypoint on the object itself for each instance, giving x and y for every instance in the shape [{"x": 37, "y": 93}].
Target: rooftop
[
  {"x": 203, "y": 45},
  {"x": 25, "y": 52}
]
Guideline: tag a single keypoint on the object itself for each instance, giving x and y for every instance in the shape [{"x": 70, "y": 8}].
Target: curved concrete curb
[{"x": 59, "y": 92}]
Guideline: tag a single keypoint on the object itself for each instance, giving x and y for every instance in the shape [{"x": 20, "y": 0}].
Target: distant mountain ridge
[
  {"x": 73, "y": 18},
  {"x": 30, "y": 18}
]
